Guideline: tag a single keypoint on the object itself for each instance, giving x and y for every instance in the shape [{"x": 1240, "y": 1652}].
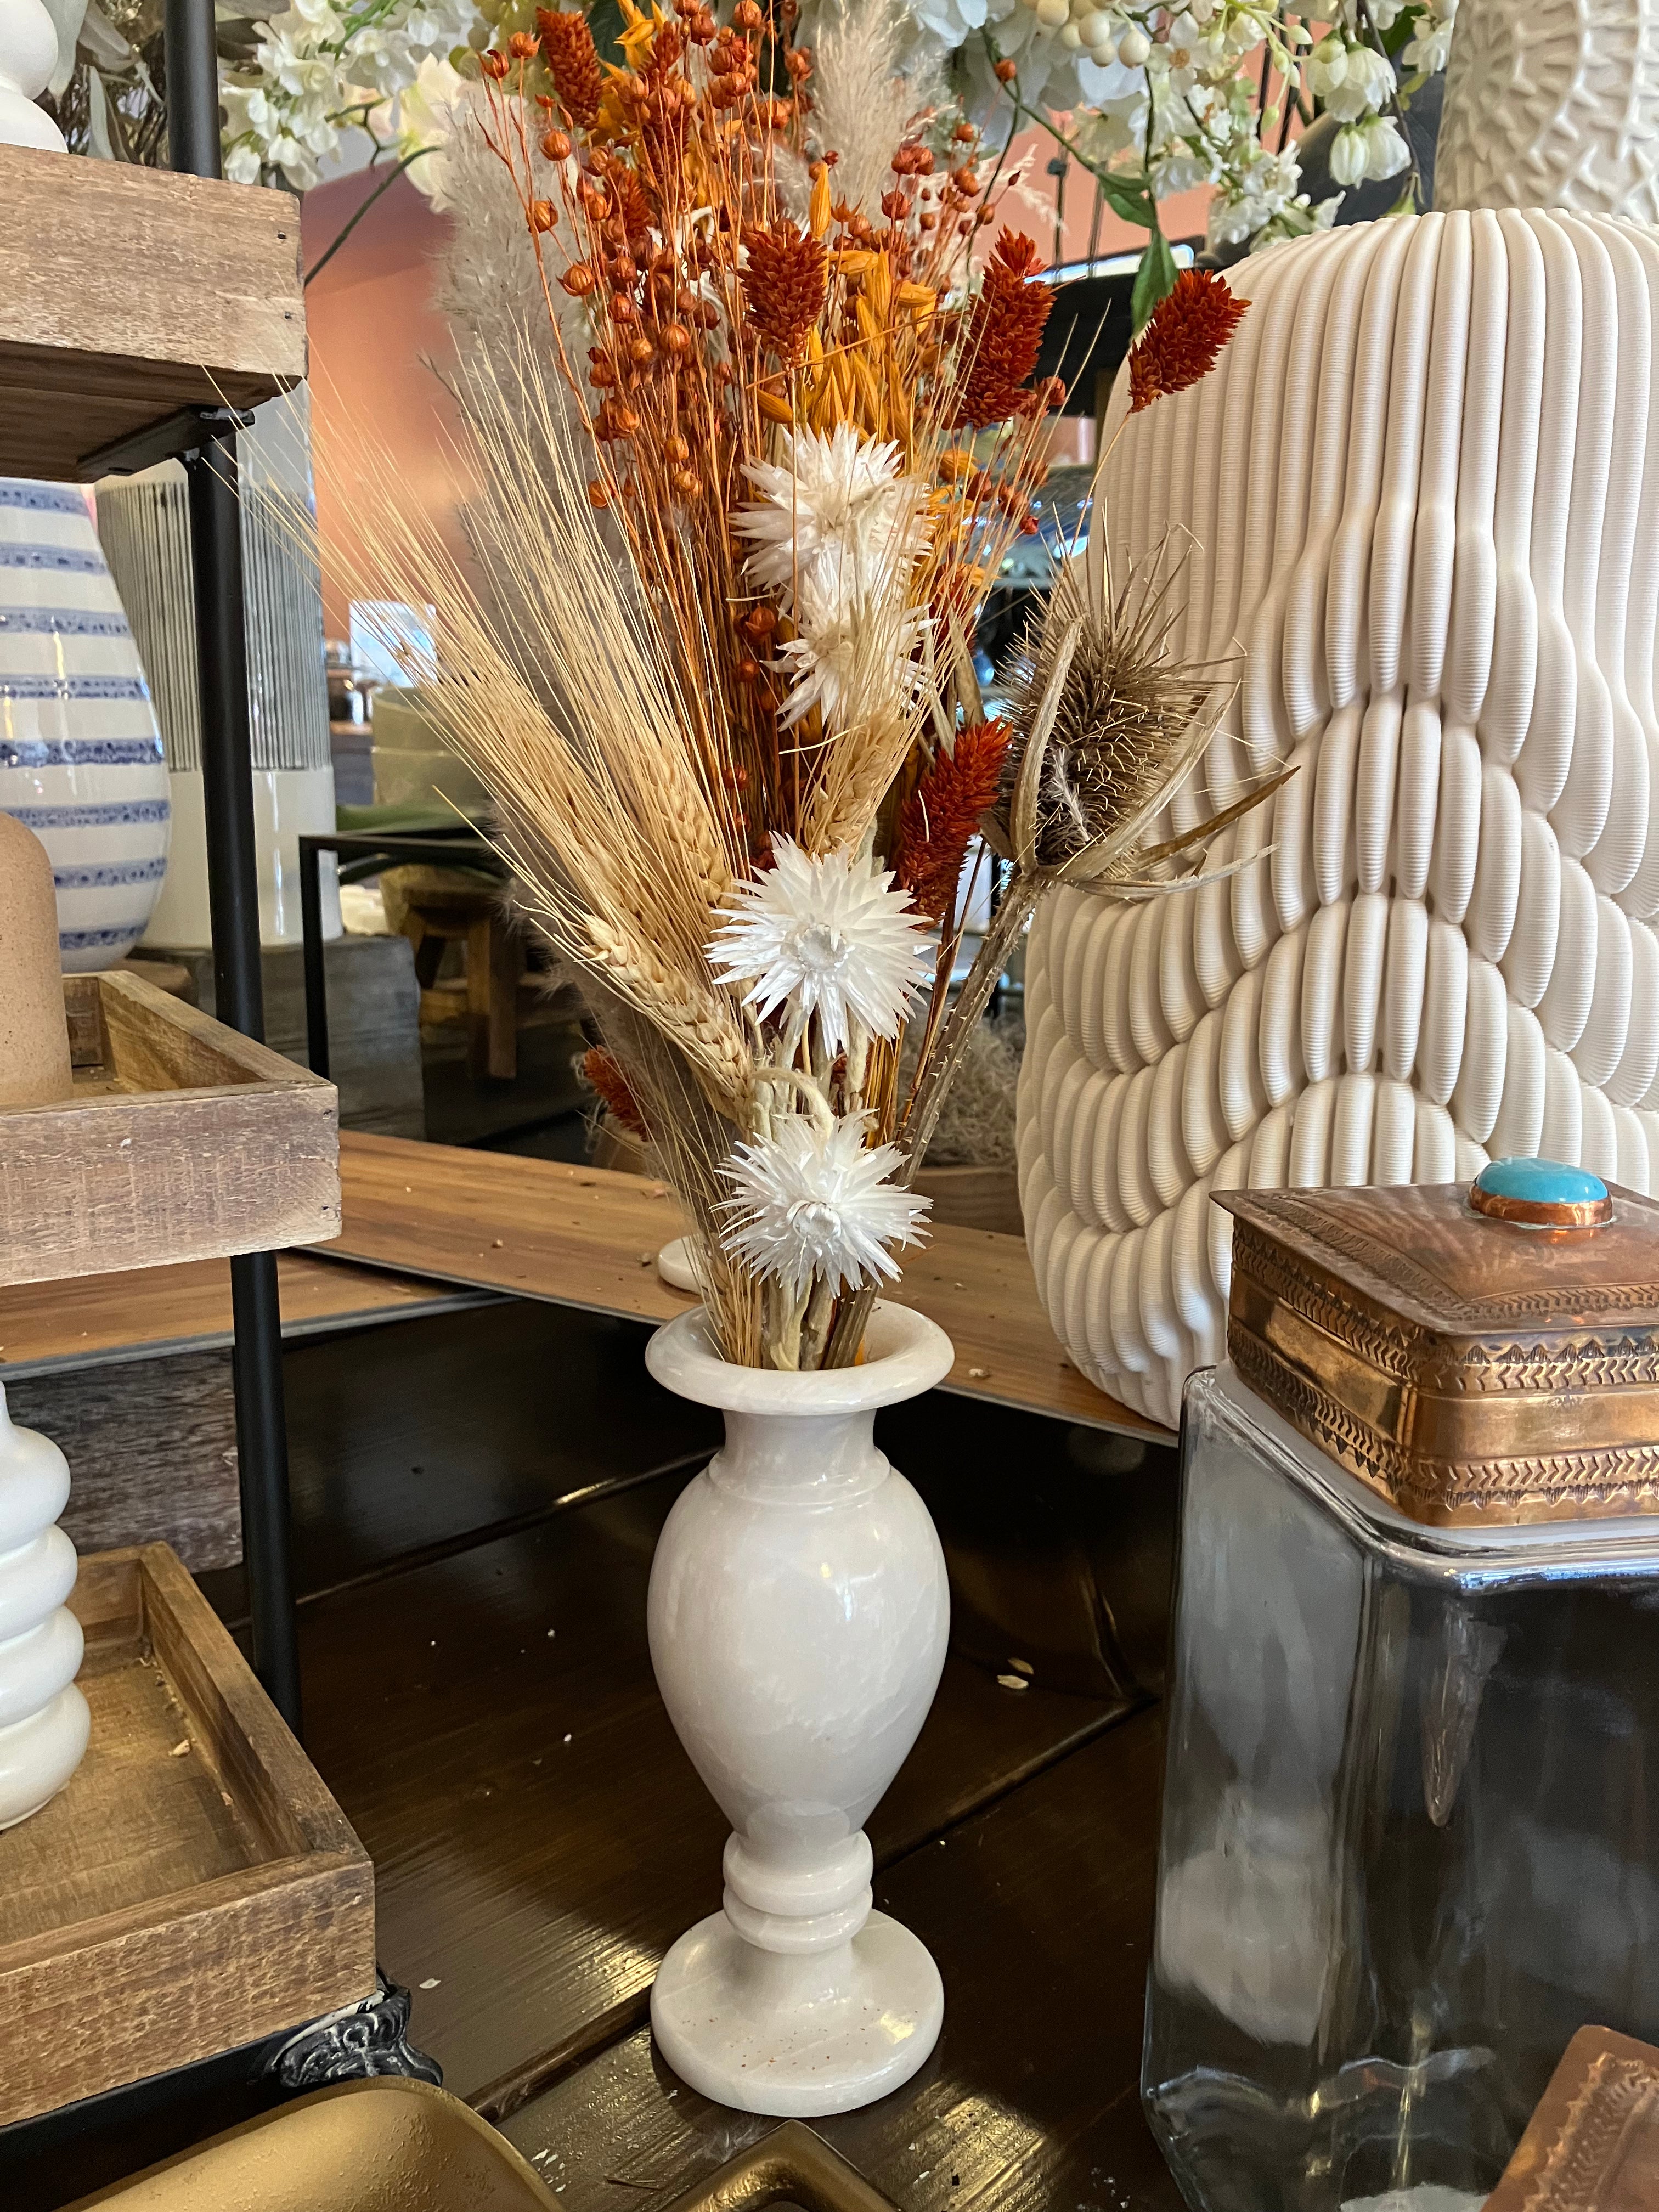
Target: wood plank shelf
[
  {"x": 588, "y": 1236},
  {"x": 131, "y": 295},
  {"x": 88, "y": 1322},
  {"x": 182, "y": 1141},
  {"x": 195, "y": 1887}
]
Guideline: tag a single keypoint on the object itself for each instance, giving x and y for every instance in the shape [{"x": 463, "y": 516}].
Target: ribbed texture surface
[
  {"x": 144, "y": 524},
  {"x": 1437, "y": 537}
]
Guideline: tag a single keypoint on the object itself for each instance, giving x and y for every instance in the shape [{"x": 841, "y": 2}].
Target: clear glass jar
[{"x": 1409, "y": 1827}]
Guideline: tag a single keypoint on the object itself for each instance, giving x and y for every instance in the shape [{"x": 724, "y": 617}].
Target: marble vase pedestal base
[{"x": 802, "y": 2037}]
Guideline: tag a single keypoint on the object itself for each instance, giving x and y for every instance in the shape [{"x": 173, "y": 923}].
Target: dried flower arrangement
[{"x": 710, "y": 648}]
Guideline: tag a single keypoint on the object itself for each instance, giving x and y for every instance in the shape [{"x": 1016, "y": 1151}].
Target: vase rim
[{"x": 907, "y": 1353}]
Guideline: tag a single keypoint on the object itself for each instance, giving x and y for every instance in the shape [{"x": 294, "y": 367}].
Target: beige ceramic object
[
  {"x": 1421, "y": 494},
  {"x": 35, "y": 1052}
]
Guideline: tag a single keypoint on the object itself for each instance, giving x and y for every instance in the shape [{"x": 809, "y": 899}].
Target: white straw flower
[
  {"x": 812, "y": 1201},
  {"x": 854, "y": 658},
  {"x": 827, "y": 935},
  {"x": 842, "y": 517}
]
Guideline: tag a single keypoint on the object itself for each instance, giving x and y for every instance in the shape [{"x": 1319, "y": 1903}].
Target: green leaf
[
  {"x": 1407, "y": 202},
  {"x": 1127, "y": 197},
  {"x": 1155, "y": 280},
  {"x": 604, "y": 19}
]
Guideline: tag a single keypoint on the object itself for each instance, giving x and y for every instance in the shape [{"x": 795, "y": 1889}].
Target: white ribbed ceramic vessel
[
  {"x": 1422, "y": 490},
  {"x": 44, "y": 1721},
  {"x": 143, "y": 521},
  {"x": 81, "y": 757},
  {"x": 798, "y": 1618}
]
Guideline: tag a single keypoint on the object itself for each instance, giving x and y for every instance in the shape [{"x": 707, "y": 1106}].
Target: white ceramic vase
[
  {"x": 81, "y": 758},
  {"x": 28, "y": 55},
  {"x": 44, "y": 1721},
  {"x": 143, "y": 521},
  {"x": 1421, "y": 488},
  {"x": 798, "y": 1618}
]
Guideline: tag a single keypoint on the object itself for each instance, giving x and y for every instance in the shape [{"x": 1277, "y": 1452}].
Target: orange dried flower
[
  {"x": 1003, "y": 335},
  {"x": 521, "y": 46},
  {"x": 568, "y": 48},
  {"x": 784, "y": 287},
  {"x": 941, "y": 815},
  {"x": 599, "y": 1069},
  {"x": 1184, "y": 337}
]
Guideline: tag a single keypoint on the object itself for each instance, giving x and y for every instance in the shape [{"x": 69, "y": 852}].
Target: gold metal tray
[
  {"x": 396, "y": 2145},
  {"x": 382, "y": 2145},
  {"x": 792, "y": 2165},
  {"x": 1472, "y": 1372}
]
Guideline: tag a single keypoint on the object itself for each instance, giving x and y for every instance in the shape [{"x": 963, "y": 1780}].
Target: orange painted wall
[{"x": 376, "y": 343}]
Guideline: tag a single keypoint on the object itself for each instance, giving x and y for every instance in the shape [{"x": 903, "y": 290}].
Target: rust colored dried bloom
[
  {"x": 1179, "y": 344},
  {"x": 1003, "y": 335},
  {"x": 600, "y": 1070},
  {"x": 942, "y": 814},
  {"x": 567, "y": 46},
  {"x": 784, "y": 288}
]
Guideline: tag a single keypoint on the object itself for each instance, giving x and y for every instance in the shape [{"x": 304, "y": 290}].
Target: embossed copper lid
[{"x": 1478, "y": 1355}]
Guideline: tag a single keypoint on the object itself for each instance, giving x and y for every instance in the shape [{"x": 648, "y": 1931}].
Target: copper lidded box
[
  {"x": 1471, "y": 1370},
  {"x": 1409, "y": 1829}
]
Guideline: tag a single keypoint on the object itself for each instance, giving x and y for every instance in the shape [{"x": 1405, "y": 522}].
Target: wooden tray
[
  {"x": 131, "y": 293},
  {"x": 182, "y": 1141},
  {"x": 195, "y": 1887}
]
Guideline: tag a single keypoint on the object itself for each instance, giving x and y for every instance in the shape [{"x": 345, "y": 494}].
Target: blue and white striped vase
[{"x": 80, "y": 759}]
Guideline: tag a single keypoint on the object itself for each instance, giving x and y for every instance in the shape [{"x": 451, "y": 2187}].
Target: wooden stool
[{"x": 446, "y": 906}]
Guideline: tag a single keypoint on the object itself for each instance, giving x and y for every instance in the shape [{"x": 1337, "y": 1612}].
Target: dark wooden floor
[{"x": 477, "y": 1496}]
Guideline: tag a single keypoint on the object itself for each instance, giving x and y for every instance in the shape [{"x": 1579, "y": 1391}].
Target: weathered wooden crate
[
  {"x": 131, "y": 293},
  {"x": 183, "y": 1140},
  {"x": 195, "y": 1887}
]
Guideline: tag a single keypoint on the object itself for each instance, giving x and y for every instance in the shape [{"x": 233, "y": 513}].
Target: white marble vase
[
  {"x": 44, "y": 1720},
  {"x": 798, "y": 1617},
  {"x": 1421, "y": 488}
]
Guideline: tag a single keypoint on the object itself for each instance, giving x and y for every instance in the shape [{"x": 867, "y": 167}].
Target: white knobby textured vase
[
  {"x": 44, "y": 1721},
  {"x": 798, "y": 1618},
  {"x": 1421, "y": 488},
  {"x": 28, "y": 55}
]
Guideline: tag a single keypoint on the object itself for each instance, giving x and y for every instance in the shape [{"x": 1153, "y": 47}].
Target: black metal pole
[
  {"x": 192, "y": 79},
  {"x": 311, "y": 933}
]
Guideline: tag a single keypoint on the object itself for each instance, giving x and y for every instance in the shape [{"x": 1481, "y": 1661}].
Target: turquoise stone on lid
[
  {"x": 1542, "y": 1195},
  {"x": 1541, "y": 1182}
]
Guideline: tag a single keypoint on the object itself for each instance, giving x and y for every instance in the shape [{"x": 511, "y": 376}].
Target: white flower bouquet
[{"x": 739, "y": 502}]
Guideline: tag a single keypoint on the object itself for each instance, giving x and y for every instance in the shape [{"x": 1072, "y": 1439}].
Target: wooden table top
[
  {"x": 142, "y": 1311},
  {"x": 588, "y": 1236}
]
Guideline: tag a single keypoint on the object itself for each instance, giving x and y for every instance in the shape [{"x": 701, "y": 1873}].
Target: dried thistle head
[{"x": 1108, "y": 721}]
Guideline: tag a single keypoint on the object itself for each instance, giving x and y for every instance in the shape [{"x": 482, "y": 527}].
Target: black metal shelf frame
[{"x": 204, "y": 439}]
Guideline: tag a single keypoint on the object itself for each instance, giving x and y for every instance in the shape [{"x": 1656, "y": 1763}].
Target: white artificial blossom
[
  {"x": 316, "y": 68},
  {"x": 825, "y": 935},
  {"x": 813, "y": 1201},
  {"x": 1174, "y": 93}
]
